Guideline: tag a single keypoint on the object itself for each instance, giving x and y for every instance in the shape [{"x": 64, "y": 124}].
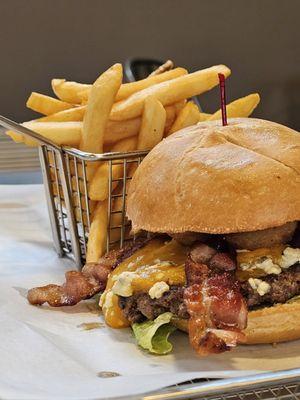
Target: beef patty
[
  {"x": 140, "y": 306},
  {"x": 283, "y": 287}
]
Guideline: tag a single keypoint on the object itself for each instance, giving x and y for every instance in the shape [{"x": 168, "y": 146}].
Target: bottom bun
[{"x": 279, "y": 323}]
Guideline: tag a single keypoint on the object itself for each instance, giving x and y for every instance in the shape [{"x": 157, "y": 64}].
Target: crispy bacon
[
  {"x": 85, "y": 284},
  {"x": 77, "y": 287},
  {"x": 217, "y": 309}
]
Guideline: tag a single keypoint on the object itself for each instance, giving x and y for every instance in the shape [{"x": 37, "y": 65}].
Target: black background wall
[{"x": 77, "y": 39}]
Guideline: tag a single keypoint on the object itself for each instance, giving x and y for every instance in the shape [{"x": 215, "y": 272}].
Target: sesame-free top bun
[
  {"x": 279, "y": 323},
  {"x": 219, "y": 179}
]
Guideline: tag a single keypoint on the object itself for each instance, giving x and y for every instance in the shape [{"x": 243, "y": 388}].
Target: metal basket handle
[{"x": 14, "y": 126}]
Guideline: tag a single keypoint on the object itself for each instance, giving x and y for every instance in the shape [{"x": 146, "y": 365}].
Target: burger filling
[
  {"x": 208, "y": 281},
  {"x": 141, "y": 306},
  {"x": 211, "y": 286},
  {"x": 271, "y": 290}
]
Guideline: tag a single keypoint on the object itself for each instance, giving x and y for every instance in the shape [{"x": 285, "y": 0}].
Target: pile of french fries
[{"x": 109, "y": 115}]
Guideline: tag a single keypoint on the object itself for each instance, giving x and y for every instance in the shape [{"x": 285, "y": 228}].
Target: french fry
[
  {"x": 61, "y": 133},
  {"x": 153, "y": 124},
  {"x": 100, "y": 102},
  {"x": 170, "y": 117},
  {"x": 45, "y": 104},
  {"x": 114, "y": 131},
  {"x": 98, "y": 232},
  {"x": 72, "y": 114},
  {"x": 16, "y": 137},
  {"x": 99, "y": 186},
  {"x": 99, "y": 105},
  {"x": 119, "y": 130},
  {"x": 127, "y": 89},
  {"x": 242, "y": 107},
  {"x": 204, "y": 116},
  {"x": 81, "y": 218},
  {"x": 179, "y": 105},
  {"x": 68, "y": 91},
  {"x": 83, "y": 207},
  {"x": 169, "y": 92},
  {"x": 188, "y": 116},
  {"x": 167, "y": 66},
  {"x": 172, "y": 112}
]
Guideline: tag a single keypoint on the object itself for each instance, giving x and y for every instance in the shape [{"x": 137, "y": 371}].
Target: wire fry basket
[
  {"x": 69, "y": 204},
  {"x": 70, "y": 209}
]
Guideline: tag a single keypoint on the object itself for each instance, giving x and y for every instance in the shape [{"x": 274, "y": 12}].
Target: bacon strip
[
  {"x": 85, "y": 284},
  {"x": 217, "y": 309}
]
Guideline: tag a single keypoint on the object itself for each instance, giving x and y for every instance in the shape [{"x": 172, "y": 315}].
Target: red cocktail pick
[{"x": 223, "y": 98}]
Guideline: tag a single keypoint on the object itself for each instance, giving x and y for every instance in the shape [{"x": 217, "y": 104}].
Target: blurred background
[{"x": 77, "y": 39}]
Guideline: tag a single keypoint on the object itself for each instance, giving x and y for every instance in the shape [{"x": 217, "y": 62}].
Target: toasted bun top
[{"x": 219, "y": 179}]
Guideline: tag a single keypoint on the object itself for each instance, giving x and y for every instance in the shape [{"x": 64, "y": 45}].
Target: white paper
[{"x": 45, "y": 355}]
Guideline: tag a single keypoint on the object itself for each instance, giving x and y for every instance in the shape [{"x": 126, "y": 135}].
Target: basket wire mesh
[{"x": 70, "y": 210}]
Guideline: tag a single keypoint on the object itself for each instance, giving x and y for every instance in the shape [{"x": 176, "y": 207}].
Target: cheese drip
[{"x": 158, "y": 261}]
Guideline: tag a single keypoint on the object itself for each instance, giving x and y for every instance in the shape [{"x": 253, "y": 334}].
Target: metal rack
[
  {"x": 267, "y": 386},
  {"x": 65, "y": 176}
]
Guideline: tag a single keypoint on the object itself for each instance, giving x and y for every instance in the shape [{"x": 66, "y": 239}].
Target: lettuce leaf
[{"x": 153, "y": 335}]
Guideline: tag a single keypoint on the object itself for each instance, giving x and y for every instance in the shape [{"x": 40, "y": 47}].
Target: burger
[
  {"x": 220, "y": 206},
  {"x": 229, "y": 197}
]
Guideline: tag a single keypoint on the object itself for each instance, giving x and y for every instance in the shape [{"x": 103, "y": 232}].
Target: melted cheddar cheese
[
  {"x": 247, "y": 260},
  {"x": 161, "y": 261},
  {"x": 250, "y": 257},
  {"x": 156, "y": 262}
]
